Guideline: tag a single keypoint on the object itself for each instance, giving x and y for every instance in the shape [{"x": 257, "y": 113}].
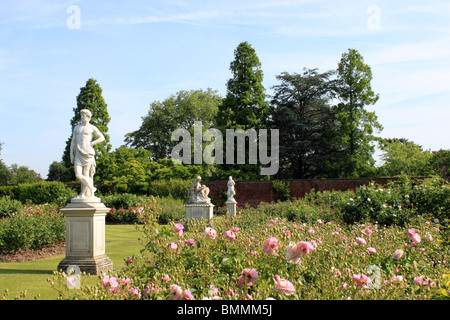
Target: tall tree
[
  {"x": 302, "y": 112},
  {"x": 357, "y": 124},
  {"x": 401, "y": 156},
  {"x": 244, "y": 107},
  {"x": 90, "y": 97},
  {"x": 179, "y": 111}
]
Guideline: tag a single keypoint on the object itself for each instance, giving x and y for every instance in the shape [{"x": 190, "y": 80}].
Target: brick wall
[{"x": 254, "y": 192}]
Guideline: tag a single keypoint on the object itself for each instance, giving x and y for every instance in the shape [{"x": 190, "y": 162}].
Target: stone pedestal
[
  {"x": 199, "y": 211},
  {"x": 231, "y": 207},
  {"x": 85, "y": 236}
]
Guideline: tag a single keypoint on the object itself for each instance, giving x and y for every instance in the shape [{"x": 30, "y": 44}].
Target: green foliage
[
  {"x": 440, "y": 163},
  {"x": 39, "y": 193},
  {"x": 16, "y": 174},
  {"x": 179, "y": 111},
  {"x": 57, "y": 171},
  {"x": 176, "y": 188},
  {"x": 9, "y": 206},
  {"x": 403, "y": 157},
  {"x": 282, "y": 190},
  {"x": 244, "y": 106},
  {"x": 356, "y": 123},
  {"x": 126, "y": 207},
  {"x": 197, "y": 266},
  {"x": 302, "y": 112},
  {"x": 398, "y": 202},
  {"x": 32, "y": 228}
]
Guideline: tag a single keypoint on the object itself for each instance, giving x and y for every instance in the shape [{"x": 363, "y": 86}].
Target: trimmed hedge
[{"x": 39, "y": 193}]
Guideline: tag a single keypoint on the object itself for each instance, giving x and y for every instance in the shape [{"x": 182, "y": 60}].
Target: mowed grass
[{"x": 122, "y": 241}]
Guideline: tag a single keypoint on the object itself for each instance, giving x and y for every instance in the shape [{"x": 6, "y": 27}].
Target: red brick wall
[{"x": 254, "y": 192}]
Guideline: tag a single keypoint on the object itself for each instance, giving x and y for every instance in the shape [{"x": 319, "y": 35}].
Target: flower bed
[{"x": 267, "y": 256}]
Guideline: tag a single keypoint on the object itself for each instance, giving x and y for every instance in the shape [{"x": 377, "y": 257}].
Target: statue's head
[
  {"x": 86, "y": 112},
  {"x": 198, "y": 178}
]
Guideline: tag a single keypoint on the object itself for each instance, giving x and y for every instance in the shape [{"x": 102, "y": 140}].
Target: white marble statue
[
  {"x": 231, "y": 192},
  {"x": 82, "y": 153},
  {"x": 198, "y": 193}
]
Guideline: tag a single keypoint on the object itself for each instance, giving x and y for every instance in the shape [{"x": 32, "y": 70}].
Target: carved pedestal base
[
  {"x": 85, "y": 236},
  {"x": 231, "y": 207},
  {"x": 198, "y": 212}
]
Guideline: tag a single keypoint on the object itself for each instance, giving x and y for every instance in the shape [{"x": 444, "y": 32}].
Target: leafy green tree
[
  {"x": 57, "y": 171},
  {"x": 303, "y": 114},
  {"x": 90, "y": 97},
  {"x": 179, "y": 111},
  {"x": 401, "y": 156},
  {"x": 356, "y": 123},
  {"x": 245, "y": 106},
  {"x": 440, "y": 162},
  {"x": 23, "y": 174}
]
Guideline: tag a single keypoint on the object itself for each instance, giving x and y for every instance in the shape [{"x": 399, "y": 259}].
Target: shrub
[
  {"x": 8, "y": 206},
  {"x": 252, "y": 256},
  {"x": 40, "y": 192},
  {"x": 398, "y": 202},
  {"x": 282, "y": 190},
  {"x": 176, "y": 188},
  {"x": 32, "y": 228}
]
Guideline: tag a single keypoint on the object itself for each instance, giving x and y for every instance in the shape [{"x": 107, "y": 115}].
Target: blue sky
[{"x": 144, "y": 51}]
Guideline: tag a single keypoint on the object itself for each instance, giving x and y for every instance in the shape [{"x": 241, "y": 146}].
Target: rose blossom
[
  {"x": 210, "y": 233},
  {"x": 190, "y": 242},
  {"x": 248, "y": 277},
  {"x": 305, "y": 247},
  {"x": 175, "y": 292},
  {"x": 179, "y": 229},
  {"x": 361, "y": 241},
  {"x": 292, "y": 254},
  {"x": 284, "y": 286},
  {"x": 188, "y": 295},
  {"x": 371, "y": 250},
  {"x": 271, "y": 245},
  {"x": 397, "y": 254},
  {"x": 230, "y": 235},
  {"x": 361, "y": 279}
]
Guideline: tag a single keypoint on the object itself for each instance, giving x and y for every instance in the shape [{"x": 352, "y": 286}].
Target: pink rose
[
  {"x": 371, "y": 250},
  {"x": 270, "y": 245},
  {"x": 230, "y": 235},
  {"x": 175, "y": 292},
  {"x": 416, "y": 238},
  {"x": 361, "y": 279},
  {"x": 397, "y": 254},
  {"x": 411, "y": 232},
  {"x": 248, "y": 277},
  {"x": 361, "y": 241},
  {"x": 188, "y": 295},
  {"x": 305, "y": 247},
  {"x": 210, "y": 233},
  {"x": 284, "y": 286},
  {"x": 190, "y": 242},
  {"x": 179, "y": 229},
  {"x": 135, "y": 292}
]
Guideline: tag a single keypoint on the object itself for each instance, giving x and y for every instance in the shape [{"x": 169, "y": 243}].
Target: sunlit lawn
[{"x": 121, "y": 243}]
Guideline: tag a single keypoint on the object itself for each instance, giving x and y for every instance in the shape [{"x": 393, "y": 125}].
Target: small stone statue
[
  {"x": 82, "y": 153},
  {"x": 198, "y": 193},
  {"x": 231, "y": 190}
]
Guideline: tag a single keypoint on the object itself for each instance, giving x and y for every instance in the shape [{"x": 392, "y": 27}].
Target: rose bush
[{"x": 267, "y": 256}]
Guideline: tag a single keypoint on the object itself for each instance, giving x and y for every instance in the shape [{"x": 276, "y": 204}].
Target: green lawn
[{"x": 121, "y": 243}]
